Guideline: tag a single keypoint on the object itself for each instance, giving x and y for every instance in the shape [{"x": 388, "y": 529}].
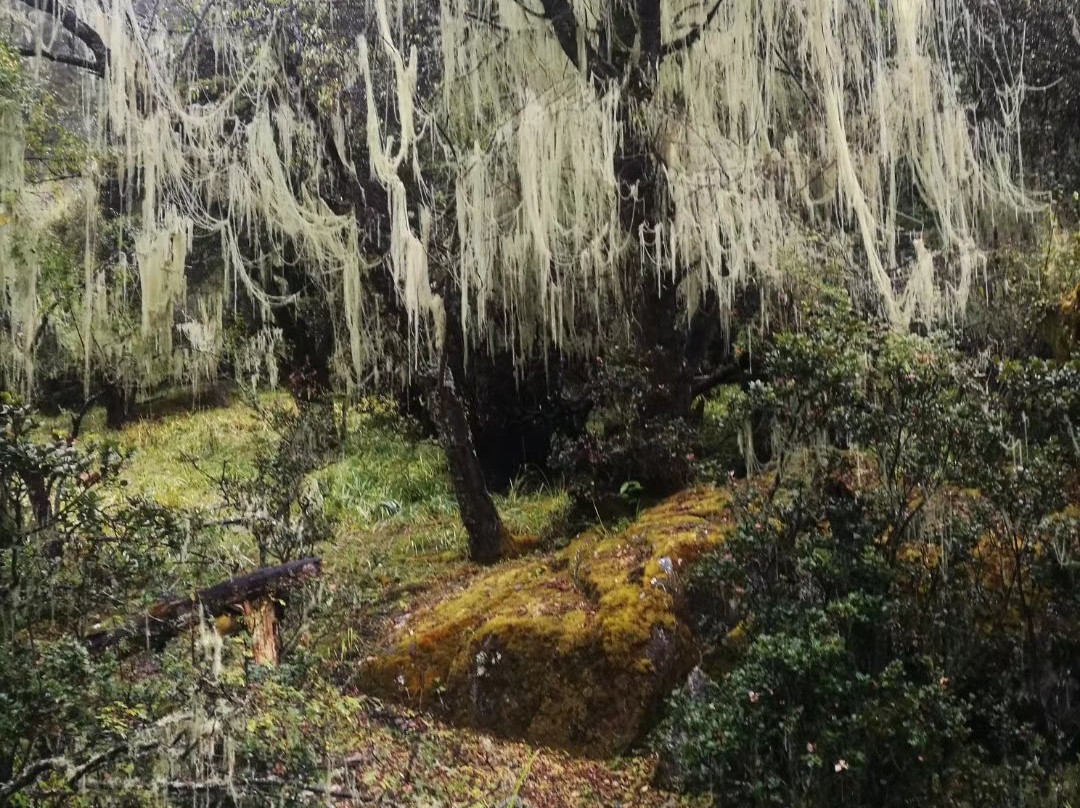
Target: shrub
[
  {"x": 77, "y": 551},
  {"x": 900, "y": 595},
  {"x": 281, "y": 503},
  {"x": 71, "y": 552},
  {"x": 635, "y": 439}
]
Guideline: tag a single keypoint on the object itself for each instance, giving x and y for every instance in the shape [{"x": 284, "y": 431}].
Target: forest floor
[{"x": 397, "y": 544}]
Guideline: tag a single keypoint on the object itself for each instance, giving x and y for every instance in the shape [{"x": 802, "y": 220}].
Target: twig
[
  {"x": 60, "y": 58},
  {"x": 77, "y": 27},
  {"x": 231, "y": 785}
]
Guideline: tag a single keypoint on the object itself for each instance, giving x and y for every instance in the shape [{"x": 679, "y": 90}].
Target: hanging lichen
[
  {"x": 781, "y": 132},
  {"x": 19, "y": 265}
]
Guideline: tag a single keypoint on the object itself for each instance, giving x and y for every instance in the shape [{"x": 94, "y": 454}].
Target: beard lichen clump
[{"x": 575, "y": 649}]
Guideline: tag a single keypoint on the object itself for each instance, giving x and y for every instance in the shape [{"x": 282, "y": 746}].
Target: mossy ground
[
  {"x": 175, "y": 457},
  {"x": 398, "y": 549}
]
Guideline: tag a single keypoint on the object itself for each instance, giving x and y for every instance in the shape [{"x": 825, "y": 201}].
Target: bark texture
[{"x": 261, "y": 616}]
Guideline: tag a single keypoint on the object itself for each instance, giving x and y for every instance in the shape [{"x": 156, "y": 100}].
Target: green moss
[{"x": 572, "y": 649}]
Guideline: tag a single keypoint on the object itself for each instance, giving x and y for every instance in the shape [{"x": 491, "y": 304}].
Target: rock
[
  {"x": 575, "y": 649},
  {"x": 669, "y": 773},
  {"x": 697, "y": 683}
]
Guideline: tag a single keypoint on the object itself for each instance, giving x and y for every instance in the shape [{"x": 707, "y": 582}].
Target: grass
[
  {"x": 166, "y": 451},
  {"x": 391, "y": 495},
  {"x": 389, "y": 480},
  {"x": 397, "y": 524},
  {"x": 387, "y": 470}
]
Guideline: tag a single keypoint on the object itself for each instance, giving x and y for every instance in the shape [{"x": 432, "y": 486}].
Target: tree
[
  {"x": 541, "y": 177},
  {"x": 69, "y": 555},
  {"x": 1043, "y": 40}
]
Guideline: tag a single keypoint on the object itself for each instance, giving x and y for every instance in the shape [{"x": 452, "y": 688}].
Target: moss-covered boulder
[{"x": 574, "y": 649}]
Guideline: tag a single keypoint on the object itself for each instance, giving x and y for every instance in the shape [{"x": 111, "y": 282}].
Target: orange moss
[{"x": 575, "y": 648}]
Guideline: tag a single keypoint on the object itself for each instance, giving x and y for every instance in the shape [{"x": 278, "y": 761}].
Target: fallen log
[{"x": 171, "y": 616}]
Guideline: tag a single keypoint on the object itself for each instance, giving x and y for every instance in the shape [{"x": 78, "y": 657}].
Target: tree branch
[
  {"x": 724, "y": 375},
  {"x": 169, "y": 617},
  {"x": 530, "y": 11},
  {"x": 51, "y": 178},
  {"x": 73, "y": 24},
  {"x": 488, "y": 21},
  {"x": 241, "y": 786},
  {"x": 73, "y": 773},
  {"x": 195, "y": 30},
  {"x": 60, "y": 58},
  {"x": 688, "y": 41},
  {"x": 560, "y": 13},
  {"x": 30, "y": 775}
]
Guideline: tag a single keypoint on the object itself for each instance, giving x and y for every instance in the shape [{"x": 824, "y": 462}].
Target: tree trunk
[
  {"x": 120, "y": 407},
  {"x": 488, "y": 537}
]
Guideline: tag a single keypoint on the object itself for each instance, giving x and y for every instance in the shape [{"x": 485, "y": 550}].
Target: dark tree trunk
[
  {"x": 488, "y": 537},
  {"x": 120, "y": 407},
  {"x": 673, "y": 346}
]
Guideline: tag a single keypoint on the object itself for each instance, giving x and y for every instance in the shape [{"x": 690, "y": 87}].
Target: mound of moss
[{"x": 574, "y": 649}]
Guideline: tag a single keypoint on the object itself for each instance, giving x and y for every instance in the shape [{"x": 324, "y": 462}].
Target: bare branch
[
  {"x": 29, "y": 775},
  {"x": 488, "y": 21},
  {"x": 195, "y": 30},
  {"x": 53, "y": 178},
  {"x": 246, "y": 786},
  {"x": 560, "y": 13},
  {"x": 532, "y": 12},
  {"x": 688, "y": 41},
  {"x": 73, "y": 773},
  {"x": 60, "y": 58},
  {"x": 727, "y": 374}
]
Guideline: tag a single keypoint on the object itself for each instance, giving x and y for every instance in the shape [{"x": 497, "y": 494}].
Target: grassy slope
[{"x": 398, "y": 544}]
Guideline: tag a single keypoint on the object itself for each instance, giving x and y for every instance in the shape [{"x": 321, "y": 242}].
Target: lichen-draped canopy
[
  {"x": 785, "y": 122},
  {"x": 783, "y": 133}
]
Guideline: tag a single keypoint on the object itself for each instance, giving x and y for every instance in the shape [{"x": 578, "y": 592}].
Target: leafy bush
[
  {"x": 1027, "y": 306},
  {"x": 895, "y": 618},
  {"x": 636, "y": 440},
  {"x": 281, "y": 503},
  {"x": 71, "y": 552}
]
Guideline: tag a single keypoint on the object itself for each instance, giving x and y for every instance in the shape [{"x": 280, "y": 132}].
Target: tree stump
[{"x": 261, "y": 615}]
